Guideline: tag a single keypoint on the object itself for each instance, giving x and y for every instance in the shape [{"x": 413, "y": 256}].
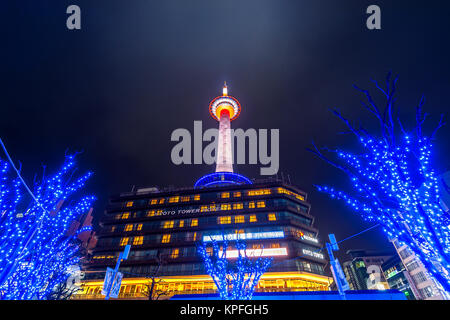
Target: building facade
[
  {"x": 426, "y": 286},
  {"x": 272, "y": 217},
  {"x": 364, "y": 271}
]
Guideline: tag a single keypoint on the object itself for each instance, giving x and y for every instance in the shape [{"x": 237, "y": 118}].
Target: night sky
[{"x": 137, "y": 70}]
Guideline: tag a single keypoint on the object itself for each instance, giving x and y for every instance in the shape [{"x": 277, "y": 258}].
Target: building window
[
  {"x": 259, "y": 192},
  {"x": 168, "y": 224},
  {"x": 129, "y": 203},
  {"x": 128, "y": 227},
  {"x": 225, "y": 206},
  {"x": 261, "y": 204},
  {"x": 203, "y": 208},
  {"x": 272, "y": 217},
  {"x": 125, "y": 215},
  {"x": 419, "y": 277},
  {"x": 154, "y": 201},
  {"x": 181, "y": 224},
  {"x": 161, "y": 201},
  {"x": 197, "y": 197},
  {"x": 426, "y": 292},
  {"x": 236, "y": 194},
  {"x": 194, "y": 237},
  {"x": 413, "y": 265},
  {"x": 239, "y": 219},
  {"x": 113, "y": 228},
  {"x": 174, "y": 199},
  {"x": 251, "y": 205},
  {"x": 194, "y": 222},
  {"x": 274, "y": 245},
  {"x": 165, "y": 238},
  {"x": 138, "y": 240},
  {"x": 253, "y": 218},
  {"x": 405, "y": 253},
  {"x": 124, "y": 241},
  {"x": 175, "y": 253},
  {"x": 224, "y": 220},
  {"x": 212, "y": 207},
  {"x": 151, "y": 213},
  {"x": 185, "y": 199},
  {"x": 139, "y": 227},
  {"x": 225, "y": 195},
  {"x": 159, "y": 212},
  {"x": 238, "y": 206}
]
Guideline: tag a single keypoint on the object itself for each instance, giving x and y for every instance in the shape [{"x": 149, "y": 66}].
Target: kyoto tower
[{"x": 224, "y": 109}]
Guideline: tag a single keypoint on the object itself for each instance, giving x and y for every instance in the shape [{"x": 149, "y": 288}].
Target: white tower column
[{"x": 224, "y": 159}]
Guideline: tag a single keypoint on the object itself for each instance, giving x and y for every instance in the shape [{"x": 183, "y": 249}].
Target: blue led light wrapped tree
[
  {"x": 35, "y": 246},
  {"x": 235, "y": 280},
  {"x": 394, "y": 182}
]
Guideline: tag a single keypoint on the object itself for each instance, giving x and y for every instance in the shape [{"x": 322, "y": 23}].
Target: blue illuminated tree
[
  {"x": 235, "y": 279},
  {"x": 36, "y": 248},
  {"x": 394, "y": 181}
]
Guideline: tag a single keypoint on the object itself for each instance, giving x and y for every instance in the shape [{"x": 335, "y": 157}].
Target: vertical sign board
[
  {"x": 116, "y": 285},
  {"x": 108, "y": 280}
]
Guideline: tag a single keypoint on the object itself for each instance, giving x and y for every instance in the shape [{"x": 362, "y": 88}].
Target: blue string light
[
  {"x": 395, "y": 185},
  {"x": 35, "y": 247},
  {"x": 237, "y": 280}
]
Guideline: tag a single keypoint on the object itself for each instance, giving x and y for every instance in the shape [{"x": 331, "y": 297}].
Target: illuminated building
[{"x": 272, "y": 216}]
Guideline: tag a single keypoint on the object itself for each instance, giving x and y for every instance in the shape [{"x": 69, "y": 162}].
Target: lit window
[
  {"x": 251, "y": 205},
  {"x": 197, "y": 197},
  {"x": 225, "y": 220},
  {"x": 194, "y": 222},
  {"x": 175, "y": 253},
  {"x": 181, "y": 225},
  {"x": 125, "y": 215},
  {"x": 225, "y": 195},
  {"x": 185, "y": 199},
  {"x": 174, "y": 199},
  {"x": 161, "y": 201},
  {"x": 225, "y": 206},
  {"x": 209, "y": 251},
  {"x": 195, "y": 237},
  {"x": 256, "y": 246},
  {"x": 151, "y": 213},
  {"x": 261, "y": 204},
  {"x": 165, "y": 238},
  {"x": 138, "y": 240},
  {"x": 159, "y": 212},
  {"x": 113, "y": 228},
  {"x": 123, "y": 241},
  {"x": 274, "y": 245},
  {"x": 237, "y": 206},
  {"x": 239, "y": 219},
  {"x": 203, "y": 208},
  {"x": 139, "y": 227},
  {"x": 129, "y": 203},
  {"x": 253, "y": 218},
  {"x": 259, "y": 192},
  {"x": 272, "y": 217},
  {"x": 154, "y": 201},
  {"x": 168, "y": 224},
  {"x": 212, "y": 207},
  {"x": 128, "y": 227},
  {"x": 285, "y": 191},
  {"x": 237, "y": 194}
]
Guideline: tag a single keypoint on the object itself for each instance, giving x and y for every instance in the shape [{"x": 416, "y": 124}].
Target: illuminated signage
[
  {"x": 244, "y": 236},
  {"x": 265, "y": 252},
  {"x": 305, "y": 237},
  {"x": 313, "y": 254}
]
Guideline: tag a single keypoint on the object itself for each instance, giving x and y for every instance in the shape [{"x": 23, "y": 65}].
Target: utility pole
[
  {"x": 108, "y": 286},
  {"x": 336, "y": 270}
]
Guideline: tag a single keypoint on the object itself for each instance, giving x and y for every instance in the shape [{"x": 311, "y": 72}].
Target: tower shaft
[{"x": 224, "y": 161}]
